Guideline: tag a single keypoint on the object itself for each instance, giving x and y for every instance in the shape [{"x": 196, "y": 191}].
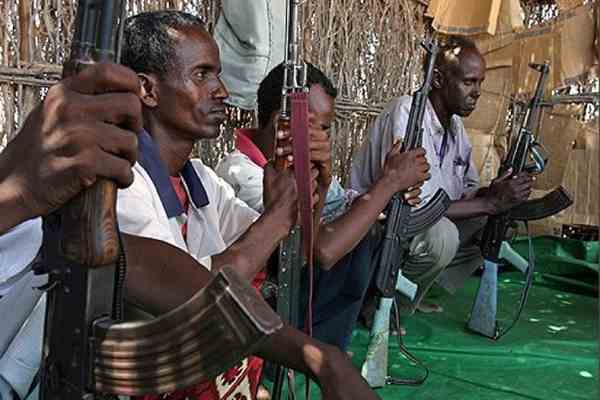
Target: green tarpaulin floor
[{"x": 552, "y": 353}]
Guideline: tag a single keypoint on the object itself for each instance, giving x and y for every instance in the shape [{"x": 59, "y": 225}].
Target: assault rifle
[
  {"x": 294, "y": 118},
  {"x": 494, "y": 247},
  {"x": 86, "y": 349},
  {"x": 402, "y": 224}
]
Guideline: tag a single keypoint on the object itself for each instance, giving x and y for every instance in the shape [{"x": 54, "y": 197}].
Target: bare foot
[
  {"x": 262, "y": 393},
  {"x": 427, "y": 308},
  {"x": 393, "y": 332}
]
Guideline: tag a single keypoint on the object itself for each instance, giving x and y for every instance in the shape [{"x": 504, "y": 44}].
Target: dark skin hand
[
  {"x": 508, "y": 191},
  {"x": 319, "y": 153},
  {"x": 504, "y": 193},
  {"x": 456, "y": 90},
  {"x": 84, "y": 130},
  {"x": 401, "y": 172},
  {"x": 252, "y": 250},
  {"x": 153, "y": 285}
]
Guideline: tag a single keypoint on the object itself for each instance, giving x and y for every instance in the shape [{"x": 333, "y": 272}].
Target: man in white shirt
[
  {"x": 450, "y": 244},
  {"x": 345, "y": 250},
  {"x": 64, "y": 145},
  {"x": 183, "y": 202}
]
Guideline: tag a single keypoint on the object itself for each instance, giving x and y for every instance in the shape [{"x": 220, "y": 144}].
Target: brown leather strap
[{"x": 302, "y": 171}]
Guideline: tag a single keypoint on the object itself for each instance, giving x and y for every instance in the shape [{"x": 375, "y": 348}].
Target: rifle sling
[
  {"x": 390, "y": 380},
  {"x": 302, "y": 171},
  {"x": 526, "y": 288}
]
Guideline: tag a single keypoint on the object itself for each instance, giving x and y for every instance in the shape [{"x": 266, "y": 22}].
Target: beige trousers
[{"x": 446, "y": 253}]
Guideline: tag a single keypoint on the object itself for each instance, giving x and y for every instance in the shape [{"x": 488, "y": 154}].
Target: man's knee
[{"x": 440, "y": 243}]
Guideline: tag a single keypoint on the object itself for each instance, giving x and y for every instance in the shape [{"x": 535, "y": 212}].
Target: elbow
[{"x": 325, "y": 258}]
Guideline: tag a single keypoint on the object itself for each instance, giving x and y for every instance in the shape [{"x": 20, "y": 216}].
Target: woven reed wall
[{"x": 368, "y": 47}]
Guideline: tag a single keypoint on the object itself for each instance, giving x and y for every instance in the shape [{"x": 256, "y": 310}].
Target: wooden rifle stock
[
  {"x": 81, "y": 243},
  {"x": 89, "y": 233}
]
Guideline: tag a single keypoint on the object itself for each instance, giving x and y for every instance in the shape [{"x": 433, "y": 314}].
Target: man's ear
[
  {"x": 438, "y": 79},
  {"x": 149, "y": 92}
]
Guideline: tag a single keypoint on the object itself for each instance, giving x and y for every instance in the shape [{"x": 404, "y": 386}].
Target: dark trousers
[{"x": 339, "y": 292}]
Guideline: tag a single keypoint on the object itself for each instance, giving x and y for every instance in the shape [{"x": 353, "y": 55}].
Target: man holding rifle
[
  {"x": 65, "y": 145},
  {"x": 345, "y": 248},
  {"x": 183, "y": 203},
  {"x": 447, "y": 252},
  {"x": 65, "y": 135}
]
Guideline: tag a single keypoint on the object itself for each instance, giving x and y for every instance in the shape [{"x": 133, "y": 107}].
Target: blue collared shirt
[{"x": 149, "y": 158}]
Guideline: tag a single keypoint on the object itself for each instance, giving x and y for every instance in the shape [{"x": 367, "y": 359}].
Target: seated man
[
  {"x": 184, "y": 203},
  {"x": 343, "y": 251},
  {"x": 64, "y": 146},
  {"x": 450, "y": 244}
]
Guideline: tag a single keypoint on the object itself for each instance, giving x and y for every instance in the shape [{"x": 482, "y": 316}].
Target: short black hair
[
  {"x": 148, "y": 44},
  {"x": 269, "y": 90},
  {"x": 452, "y": 45}
]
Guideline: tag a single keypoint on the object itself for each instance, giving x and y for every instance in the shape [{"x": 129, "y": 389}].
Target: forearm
[
  {"x": 340, "y": 236},
  {"x": 12, "y": 206},
  {"x": 326, "y": 365},
  {"x": 160, "y": 277},
  {"x": 12, "y": 209},
  {"x": 297, "y": 351},
  {"x": 469, "y": 208},
  {"x": 252, "y": 250}
]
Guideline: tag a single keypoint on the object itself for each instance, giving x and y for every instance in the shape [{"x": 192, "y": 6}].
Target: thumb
[
  {"x": 505, "y": 175},
  {"x": 396, "y": 146}
]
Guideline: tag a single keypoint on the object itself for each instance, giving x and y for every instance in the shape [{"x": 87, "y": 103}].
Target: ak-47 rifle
[
  {"x": 494, "y": 247},
  {"x": 294, "y": 118},
  {"x": 86, "y": 349},
  {"x": 403, "y": 222}
]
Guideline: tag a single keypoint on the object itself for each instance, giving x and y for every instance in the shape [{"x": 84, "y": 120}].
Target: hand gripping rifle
[
  {"x": 294, "y": 118},
  {"x": 86, "y": 349},
  {"x": 494, "y": 247},
  {"x": 402, "y": 224}
]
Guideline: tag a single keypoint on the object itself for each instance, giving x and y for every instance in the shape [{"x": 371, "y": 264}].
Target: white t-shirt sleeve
[
  {"x": 245, "y": 177},
  {"x": 235, "y": 217},
  {"x": 136, "y": 212},
  {"x": 18, "y": 248}
]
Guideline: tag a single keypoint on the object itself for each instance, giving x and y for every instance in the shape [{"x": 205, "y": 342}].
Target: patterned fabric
[
  {"x": 239, "y": 382},
  {"x": 337, "y": 202}
]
